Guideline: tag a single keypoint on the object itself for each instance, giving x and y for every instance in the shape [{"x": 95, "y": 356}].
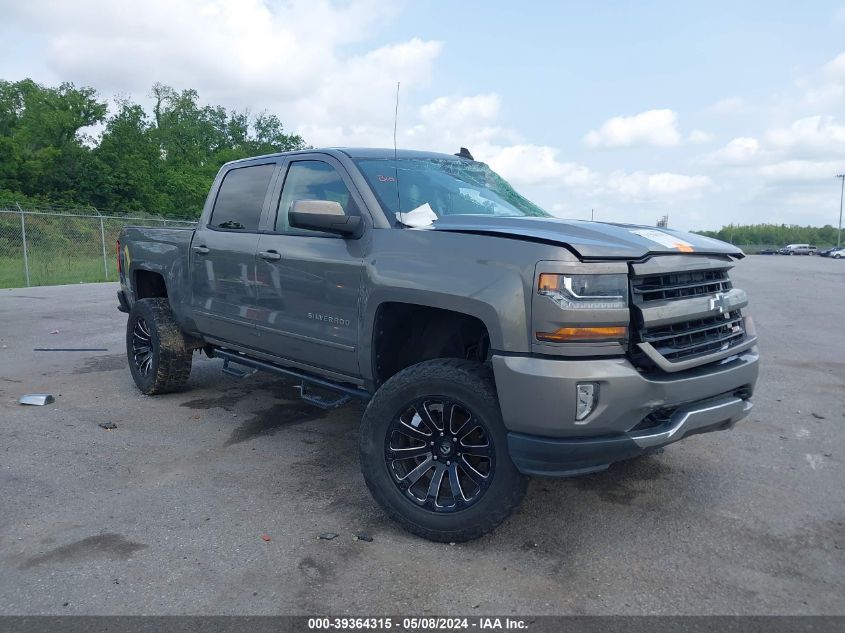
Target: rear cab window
[{"x": 240, "y": 198}]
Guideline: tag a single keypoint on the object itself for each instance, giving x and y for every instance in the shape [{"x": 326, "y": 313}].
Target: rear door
[
  {"x": 222, "y": 257},
  {"x": 308, "y": 282}
]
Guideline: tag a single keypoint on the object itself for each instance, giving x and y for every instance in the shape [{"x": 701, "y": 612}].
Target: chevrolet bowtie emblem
[{"x": 719, "y": 302}]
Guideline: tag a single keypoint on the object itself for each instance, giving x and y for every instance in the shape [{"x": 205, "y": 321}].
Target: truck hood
[{"x": 590, "y": 240}]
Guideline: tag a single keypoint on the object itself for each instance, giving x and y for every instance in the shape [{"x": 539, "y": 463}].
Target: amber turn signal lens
[
  {"x": 582, "y": 334},
  {"x": 549, "y": 281}
]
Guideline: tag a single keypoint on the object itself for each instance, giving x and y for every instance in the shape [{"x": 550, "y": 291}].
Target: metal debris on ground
[
  {"x": 37, "y": 399},
  {"x": 327, "y": 536},
  {"x": 108, "y": 426},
  {"x": 70, "y": 349},
  {"x": 363, "y": 537},
  {"x": 266, "y": 538},
  {"x": 818, "y": 416}
]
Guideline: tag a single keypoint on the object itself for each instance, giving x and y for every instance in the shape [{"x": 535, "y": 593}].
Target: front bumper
[
  {"x": 561, "y": 457},
  {"x": 538, "y": 402}
]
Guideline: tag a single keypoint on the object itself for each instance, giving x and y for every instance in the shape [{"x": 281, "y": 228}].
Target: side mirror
[{"x": 323, "y": 215}]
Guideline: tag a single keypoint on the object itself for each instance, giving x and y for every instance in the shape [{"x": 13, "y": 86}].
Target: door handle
[
  {"x": 270, "y": 256},
  {"x": 201, "y": 250}
]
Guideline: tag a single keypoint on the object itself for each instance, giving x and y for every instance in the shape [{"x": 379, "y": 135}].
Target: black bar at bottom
[{"x": 401, "y": 624}]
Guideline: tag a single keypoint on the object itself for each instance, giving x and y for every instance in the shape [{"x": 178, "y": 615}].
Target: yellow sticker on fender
[{"x": 665, "y": 239}]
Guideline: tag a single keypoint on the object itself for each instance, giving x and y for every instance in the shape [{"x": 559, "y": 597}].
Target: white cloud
[
  {"x": 538, "y": 164},
  {"x": 643, "y": 186},
  {"x": 793, "y": 149},
  {"x": 336, "y": 111},
  {"x": 653, "y": 127},
  {"x": 288, "y": 57},
  {"x": 729, "y": 105},
  {"x": 826, "y": 87},
  {"x": 739, "y": 151},
  {"x": 245, "y": 42},
  {"x": 457, "y": 111},
  {"x": 817, "y": 135},
  {"x": 699, "y": 137},
  {"x": 448, "y": 123},
  {"x": 791, "y": 171}
]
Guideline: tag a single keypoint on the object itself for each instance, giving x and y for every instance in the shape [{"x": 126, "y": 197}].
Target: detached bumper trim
[
  {"x": 688, "y": 419},
  {"x": 566, "y": 457}
]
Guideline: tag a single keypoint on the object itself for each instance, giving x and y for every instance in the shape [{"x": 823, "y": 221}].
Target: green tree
[
  {"x": 774, "y": 234},
  {"x": 162, "y": 162},
  {"x": 128, "y": 160},
  {"x": 43, "y": 149}
]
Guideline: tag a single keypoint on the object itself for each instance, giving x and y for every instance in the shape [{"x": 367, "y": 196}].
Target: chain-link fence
[{"x": 42, "y": 246}]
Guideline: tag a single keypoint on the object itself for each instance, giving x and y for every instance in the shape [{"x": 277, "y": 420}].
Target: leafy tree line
[
  {"x": 161, "y": 162},
  {"x": 775, "y": 234}
]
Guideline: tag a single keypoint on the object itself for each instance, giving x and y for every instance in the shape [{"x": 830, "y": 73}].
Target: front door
[
  {"x": 308, "y": 283},
  {"x": 222, "y": 257}
]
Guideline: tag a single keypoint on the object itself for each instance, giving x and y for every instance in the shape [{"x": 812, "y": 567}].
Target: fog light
[{"x": 586, "y": 396}]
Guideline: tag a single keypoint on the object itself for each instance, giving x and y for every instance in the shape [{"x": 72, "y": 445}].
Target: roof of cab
[
  {"x": 382, "y": 152},
  {"x": 373, "y": 153}
]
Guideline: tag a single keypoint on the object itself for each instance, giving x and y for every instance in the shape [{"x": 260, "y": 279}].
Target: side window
[
  {"x": 241, "y": 198},
  {"x": 312, "y": 180}
]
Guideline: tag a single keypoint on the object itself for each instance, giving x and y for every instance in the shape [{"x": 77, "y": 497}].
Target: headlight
[{"x": 590, "y": 292}]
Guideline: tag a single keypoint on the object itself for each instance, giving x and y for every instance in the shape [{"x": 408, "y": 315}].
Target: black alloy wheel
[
  {"x": 440, "y": 454},
  {"x": 434, "y": 451},
  {"x": 142, "y": 347},
  {"x": 158, "y": 353}
]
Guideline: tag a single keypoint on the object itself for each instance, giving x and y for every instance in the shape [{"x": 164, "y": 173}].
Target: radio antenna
[
  {"x": 395, "y": 120},
  {"x": 396, "y": 155}
]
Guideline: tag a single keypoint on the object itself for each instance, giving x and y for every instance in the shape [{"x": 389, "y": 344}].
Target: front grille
[
  {"x": 698, "y": 337},
  {"x": 692, "y": 338},
  {"x": 680, "y": 285}
]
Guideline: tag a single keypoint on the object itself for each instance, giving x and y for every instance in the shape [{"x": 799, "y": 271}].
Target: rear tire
[
  {"x": 158, "y": 354},
  {"x": 434, "y": 451}
]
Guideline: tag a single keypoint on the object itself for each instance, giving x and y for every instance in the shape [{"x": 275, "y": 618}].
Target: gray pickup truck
[{"x": 491, "y": 341}]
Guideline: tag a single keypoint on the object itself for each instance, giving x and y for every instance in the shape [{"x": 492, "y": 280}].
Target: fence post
[
  {"x": 103, "y": 242},
  {"x": 23, "y": 237}
]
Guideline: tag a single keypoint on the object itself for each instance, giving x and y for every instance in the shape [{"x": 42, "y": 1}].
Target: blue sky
[{"x": 709, "y": 112}]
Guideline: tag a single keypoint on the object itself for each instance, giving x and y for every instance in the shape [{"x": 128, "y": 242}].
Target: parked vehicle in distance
[
  {"x": 837, "y": 253},
  {"x": 827, "y": 252},
  {"x": 491, "y": 340},
  {"x": 799, "y": 249},
  {"x": 767, "y": 251}
]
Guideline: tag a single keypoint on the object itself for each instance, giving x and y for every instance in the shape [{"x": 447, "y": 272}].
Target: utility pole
[
  {"x": 593, "y": 215},
  {"x": 841, "y": 194}
]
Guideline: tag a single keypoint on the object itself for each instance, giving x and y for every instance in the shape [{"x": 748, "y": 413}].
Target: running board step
[
  {"x": 322, "y": 401},
  {"x": 234, "y": 371},
  {"x": 344, "y": 393}
]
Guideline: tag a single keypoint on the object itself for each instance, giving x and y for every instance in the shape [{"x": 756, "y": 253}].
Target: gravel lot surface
[{"x": 165, "y": 514}]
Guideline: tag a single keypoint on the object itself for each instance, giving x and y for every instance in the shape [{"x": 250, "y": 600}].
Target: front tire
[
  {"x": 434, "y": 451},
  {"x": 158, "y": 354}
]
